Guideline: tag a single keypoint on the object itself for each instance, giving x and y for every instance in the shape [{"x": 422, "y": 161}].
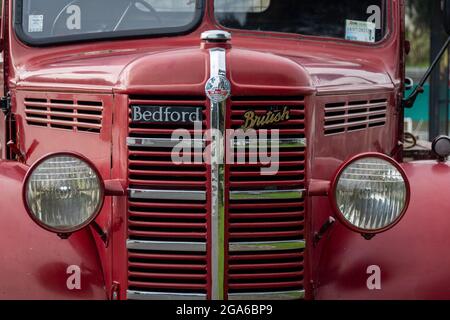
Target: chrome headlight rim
[
  {"x": 77, "y": 228},
  {"x": 333, "y": 189}
]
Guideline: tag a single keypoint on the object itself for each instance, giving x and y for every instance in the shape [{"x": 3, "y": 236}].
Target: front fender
[
  {"x": 33, "y": 262},
  {"x": 414, "y": 257}
]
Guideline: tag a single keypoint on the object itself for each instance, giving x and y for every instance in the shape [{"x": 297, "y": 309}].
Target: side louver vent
[
  {"x": 70, "y": 115},
  {"x": 351, "y": 116}
]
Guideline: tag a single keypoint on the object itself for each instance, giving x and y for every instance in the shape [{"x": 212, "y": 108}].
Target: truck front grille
[
  {"x": 168, "y": 214},
  {"x": 266, "y": 213}
]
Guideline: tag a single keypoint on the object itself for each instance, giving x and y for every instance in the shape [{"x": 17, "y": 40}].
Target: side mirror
[
  {"x": 409, "y": 83},
  {"x": 445, "y": 5}
]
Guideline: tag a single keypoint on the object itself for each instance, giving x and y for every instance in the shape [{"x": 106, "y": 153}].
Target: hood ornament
[
  {"x": 218, "y": 89},
  {"x": 216, "y": 36}
]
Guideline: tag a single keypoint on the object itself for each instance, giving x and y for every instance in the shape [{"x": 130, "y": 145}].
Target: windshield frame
[
  {"x": 89, "y": 37},
  {"x": 298, "y": 36}
]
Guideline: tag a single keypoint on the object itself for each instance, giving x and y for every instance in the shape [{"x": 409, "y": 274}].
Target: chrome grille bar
[
  {"x": 283, "y": 143},
  {"x": 266, "y": 246},
  {"x": 166, "y": 246},
  {"x": 267, "y": 194},
  {"x": 154, "y": 194},
  {"x": 142, "y": 295},
  {"x": 284, "y": 295},
  {"x": 165, "y": 143},
  {"x": 218, "y": 109}
]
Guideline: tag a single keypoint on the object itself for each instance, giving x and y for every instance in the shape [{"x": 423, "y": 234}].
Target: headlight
[
  {"x": 370, "y": 193},
  {"x": 63, "y": 193}
]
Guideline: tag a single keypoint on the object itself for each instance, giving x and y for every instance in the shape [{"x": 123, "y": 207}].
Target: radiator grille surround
[{"x": 169, "y": 212}]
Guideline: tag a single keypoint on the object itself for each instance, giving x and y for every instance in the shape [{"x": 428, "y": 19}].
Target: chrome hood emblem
[{"x": 218, "y": 89}]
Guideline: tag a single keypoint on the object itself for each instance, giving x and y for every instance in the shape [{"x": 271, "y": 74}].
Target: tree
[
  {"x": 418, "y": 18},
  {"x": 419, "y": 11}
]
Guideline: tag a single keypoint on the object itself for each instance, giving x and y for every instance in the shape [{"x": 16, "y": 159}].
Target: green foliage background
[{"x": 418, "y": 31}]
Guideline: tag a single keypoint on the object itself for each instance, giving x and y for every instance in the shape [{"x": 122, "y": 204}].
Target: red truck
[{"x": 214, "y": 149}]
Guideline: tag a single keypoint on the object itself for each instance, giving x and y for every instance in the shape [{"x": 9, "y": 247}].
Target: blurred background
[{"x": 430, "y": 116}]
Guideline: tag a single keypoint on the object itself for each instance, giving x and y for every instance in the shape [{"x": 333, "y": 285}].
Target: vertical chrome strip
[{"x": 218, "y": 68}]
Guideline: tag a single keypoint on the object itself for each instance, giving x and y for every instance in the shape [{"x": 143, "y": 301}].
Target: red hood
[{"x": 185, "y": 71}]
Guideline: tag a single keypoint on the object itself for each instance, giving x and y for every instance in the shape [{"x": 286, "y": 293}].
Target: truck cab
[{"x": 213, "y": 149}]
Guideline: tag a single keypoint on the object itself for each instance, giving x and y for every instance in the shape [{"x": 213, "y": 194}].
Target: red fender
[
  {"x": 33, "y": 262},
  {"x": 414, "y": 256}
]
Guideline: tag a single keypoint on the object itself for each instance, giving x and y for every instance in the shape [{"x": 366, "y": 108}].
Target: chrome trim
[
  {"x": 166, "y": 246},
  {"x": 266, "y": 246},
  {"x": 267, "y": 194},
  {"x": 142, "y": 295},
  {"x": 283, "y": 143},
  {"x": 216, "y": 35},
  {"x": 218, "y": 68},
  {"x": 154, "y": 194},
  {"x": 282, "y": 295},
  {"x": 165, "y": 143}
]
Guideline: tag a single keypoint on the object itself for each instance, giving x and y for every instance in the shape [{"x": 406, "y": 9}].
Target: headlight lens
[
  {"x": 63, "y": 193},
  {"x": 371, "y": 193}
]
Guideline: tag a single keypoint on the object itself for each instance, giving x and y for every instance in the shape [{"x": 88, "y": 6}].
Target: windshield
[
  {"x": 356, "y": 20},
  {"x": 49, "y": 21}
]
